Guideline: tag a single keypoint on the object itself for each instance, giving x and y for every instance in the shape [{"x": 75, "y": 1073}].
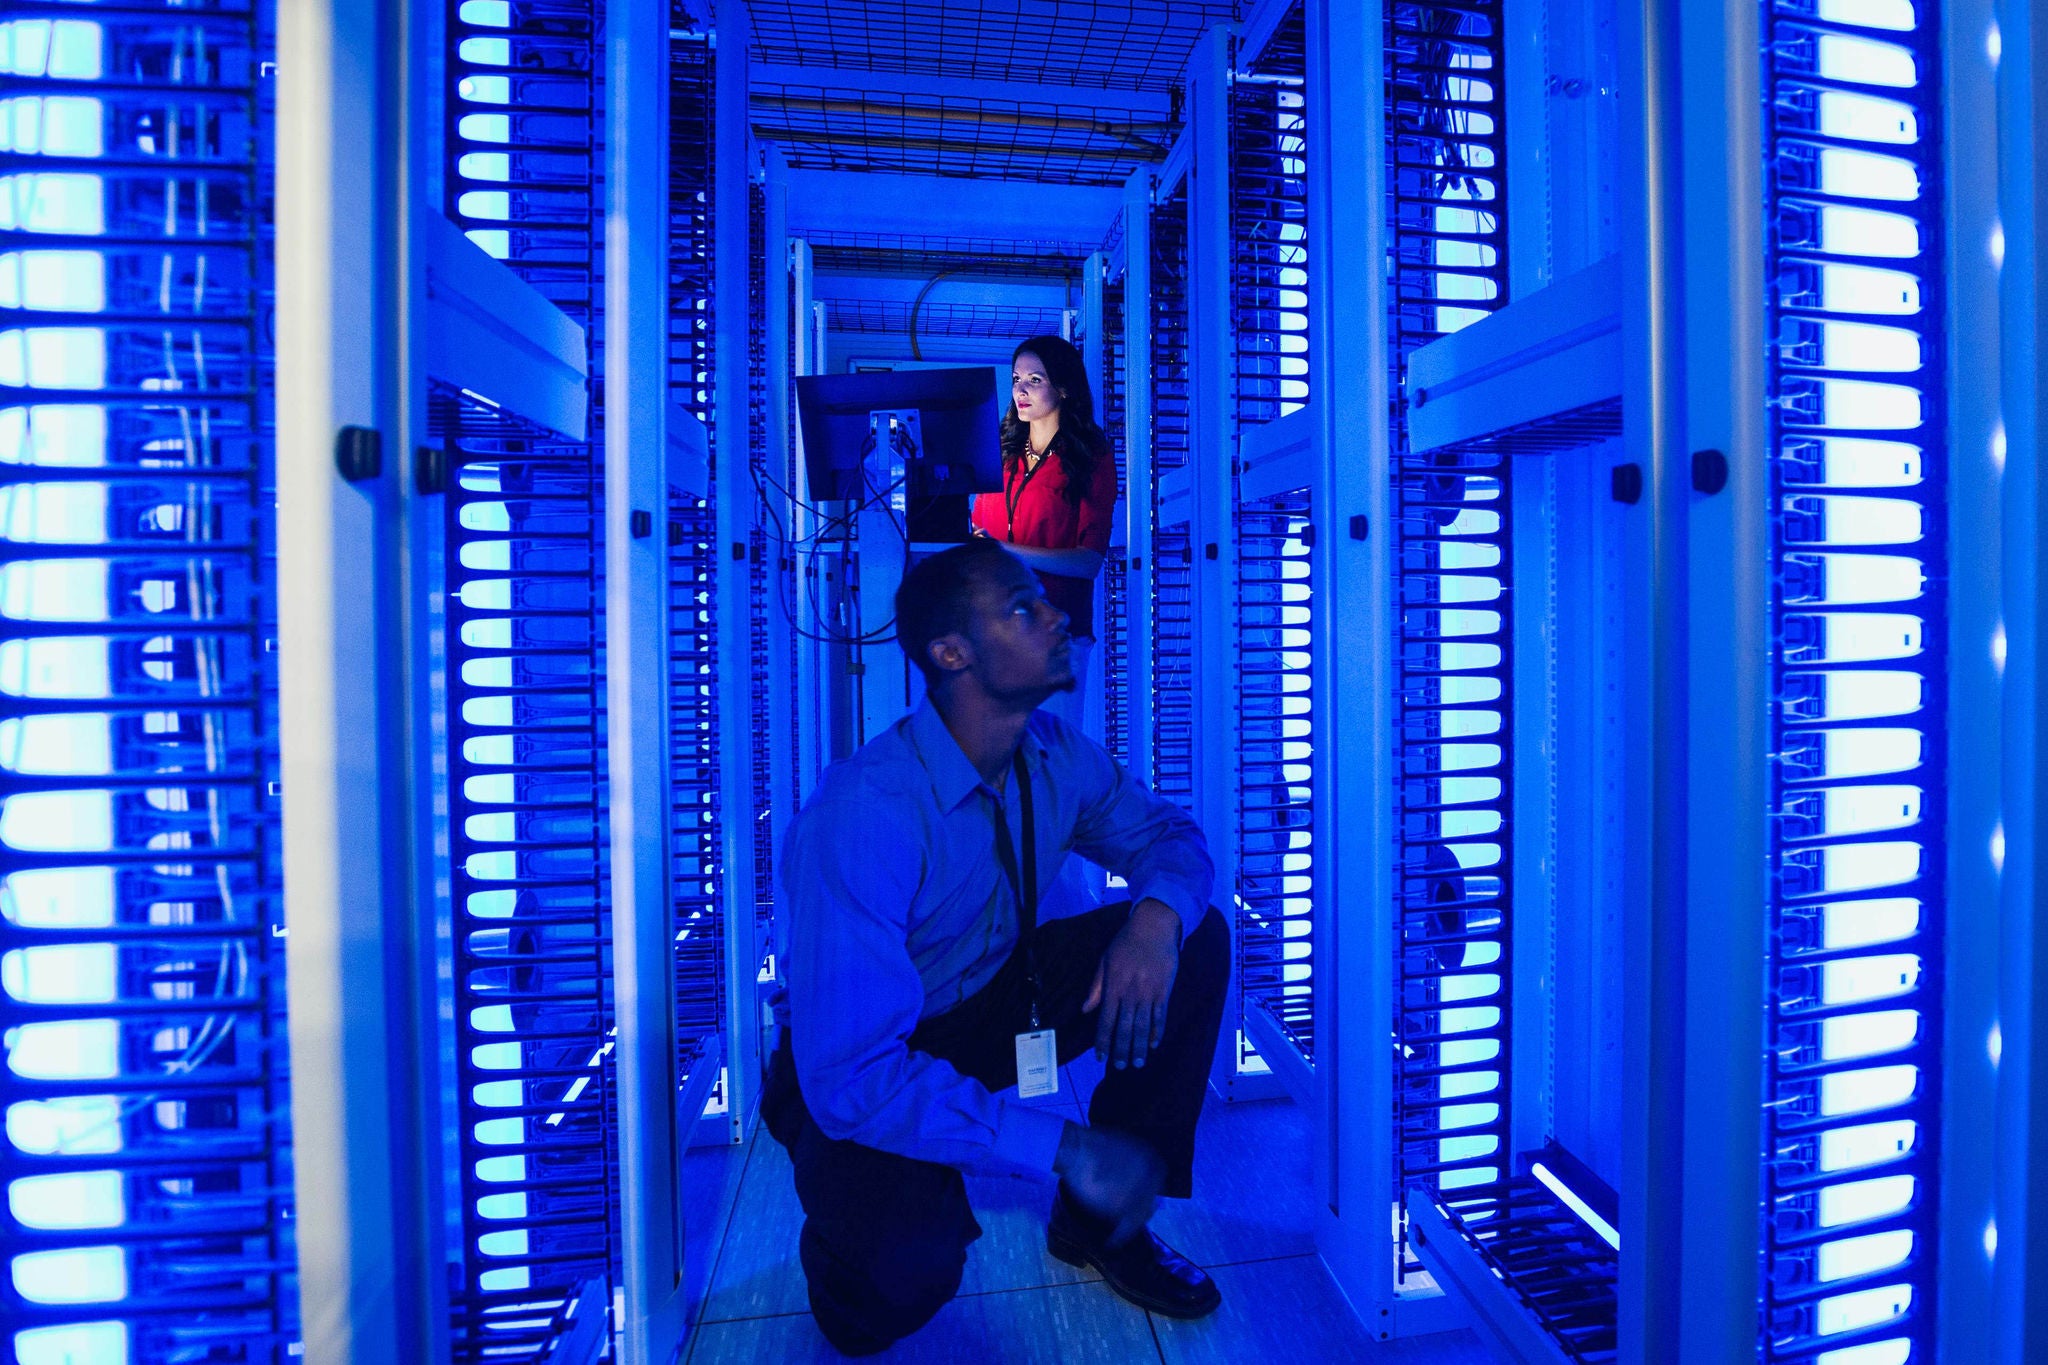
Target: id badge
[{"x": 1038, "y": 1064}]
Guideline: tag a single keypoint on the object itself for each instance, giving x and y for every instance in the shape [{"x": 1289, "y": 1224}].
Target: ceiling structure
[
  {"x": 1069, "y": 93},
  {"x": 1084, "y": 44}
]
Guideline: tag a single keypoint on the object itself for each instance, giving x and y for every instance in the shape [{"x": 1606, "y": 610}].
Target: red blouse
[{"x": 1033, "y": 510}]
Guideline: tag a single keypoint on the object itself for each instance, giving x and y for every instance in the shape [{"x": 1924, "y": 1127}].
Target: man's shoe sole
[{"x": 1073, "y": 1253}]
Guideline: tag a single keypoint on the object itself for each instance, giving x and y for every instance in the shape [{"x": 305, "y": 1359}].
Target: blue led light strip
[
  {"x": 1446, "y": 212},
  {"x": 527, "y": 839},
  {"x": 1859, "y": 626},
  {"x": 147, "y": 1153},
  {"x": 1269, "y": 263},
  {"x": 1172, "y": 567}
]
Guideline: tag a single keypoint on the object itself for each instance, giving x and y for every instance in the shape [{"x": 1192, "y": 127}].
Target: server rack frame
[
  {"x": 1140, "y": 475},
  {"x": 733, "y": 501},
  {"x": 371, "y": 1281},
  {"x": 1978, "y": 216},
  {"x": 1211, "y": 475},
  {"x": 652, "y": 1132},
  {"x": 1353, "y": 767},
  {"x": 2021, "y": 113}
]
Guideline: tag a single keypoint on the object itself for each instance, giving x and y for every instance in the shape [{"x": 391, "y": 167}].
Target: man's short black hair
[{"x": 936, "y": 598}]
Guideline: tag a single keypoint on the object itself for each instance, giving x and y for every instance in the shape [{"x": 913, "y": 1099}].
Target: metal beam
[
  {"x": 1133, "y": 137},
  {"x": 1256, "y": 29},
  {"x": 944, "y": 206},
  {"x": 1133, "y": 106},
  {"x": 958, "y": 289},
  {"x": 484, "y": 329}
]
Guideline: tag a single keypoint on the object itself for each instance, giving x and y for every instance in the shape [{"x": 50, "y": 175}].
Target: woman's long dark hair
[{"x": 1080, "y": 442}]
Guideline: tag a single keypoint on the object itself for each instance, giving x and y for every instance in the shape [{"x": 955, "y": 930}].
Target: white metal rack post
[
  {"x": 1212, "y": 480},
  {"x": 1354, "y": 888},
  {"x": 2021, "y": 1233},
  {"x": 733, "y": 500},
  {"x": 1967, "y": 1312},
  {"x": 651, "y": 1132},
  {"x": 351, "y": 284}
]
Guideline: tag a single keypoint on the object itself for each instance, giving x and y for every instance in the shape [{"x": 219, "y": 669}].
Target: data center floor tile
[
  {"x": 1254, "y": 1191},
  {"x": 1251, "y": 1224},
  {"x": 1289, "y": 1310},
  {"x": 1049, "y": 1326}
]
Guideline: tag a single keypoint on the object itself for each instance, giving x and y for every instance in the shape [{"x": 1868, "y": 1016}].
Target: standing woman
[{"x": 1059, "y": 492}]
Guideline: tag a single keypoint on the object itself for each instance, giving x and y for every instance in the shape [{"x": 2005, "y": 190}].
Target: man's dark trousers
[{"x": 885, "y": 1236}]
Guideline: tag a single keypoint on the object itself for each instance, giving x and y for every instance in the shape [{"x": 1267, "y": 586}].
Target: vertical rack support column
[
  {"x": 1966, "y": 1316},
  {"x": 348, "y": 270},
  {"x": 1689, "y": 1287},
  {"x": 779, "y": 353},
  {"x": 806, "y": 354},
  {"x": 1095, "y": 357},
  {"x": 2021, "y": 1267},
  {"x": 1138, "y": 471},
  {"x": 636, "y": 673},
  {"x": 733, "y": 501},
  {"x": 1094, "y": 272},
  {"x": 1353, "y": 890},
  {"x": 1212, "y": 459}
]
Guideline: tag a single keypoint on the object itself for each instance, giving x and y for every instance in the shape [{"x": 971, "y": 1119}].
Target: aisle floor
[{"x": 1250, "y": 1224}]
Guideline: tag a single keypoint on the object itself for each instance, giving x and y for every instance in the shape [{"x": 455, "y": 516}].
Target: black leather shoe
[{"x": 1142, "y": 1269}]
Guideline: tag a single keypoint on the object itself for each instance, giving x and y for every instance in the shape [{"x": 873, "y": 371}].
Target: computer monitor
[{"x": 952, "y": 425}]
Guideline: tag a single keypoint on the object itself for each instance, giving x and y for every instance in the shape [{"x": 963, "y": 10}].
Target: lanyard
[
  {"x": 1026, "y": 888},
  {"x": 1012, "y": 497}
]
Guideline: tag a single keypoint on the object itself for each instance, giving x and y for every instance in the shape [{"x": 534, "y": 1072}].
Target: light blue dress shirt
[{"x": 899, "y": 910}]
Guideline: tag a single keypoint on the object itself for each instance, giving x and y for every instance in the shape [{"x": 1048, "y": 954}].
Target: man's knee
[
  {"x": 1205, "y": 954},
  {"x": 879, "y": 1290}
]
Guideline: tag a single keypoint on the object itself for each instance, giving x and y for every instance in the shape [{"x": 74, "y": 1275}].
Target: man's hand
[
  {"x": 1134, "y": 982},
  {"x": 1111, "y": 1175}
]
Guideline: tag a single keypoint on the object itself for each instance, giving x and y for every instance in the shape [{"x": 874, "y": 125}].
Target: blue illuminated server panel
[
  {"x": 1172, "y": 568},
  {"x": 535, "y": 1147},
  {"x": 1858, "y": 676},
  {"x": 1270, "y": 258},
  {"x": 147, "y": 1156}
]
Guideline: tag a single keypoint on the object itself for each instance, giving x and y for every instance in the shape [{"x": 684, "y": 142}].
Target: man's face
[{"x": 1021, "y": 649}]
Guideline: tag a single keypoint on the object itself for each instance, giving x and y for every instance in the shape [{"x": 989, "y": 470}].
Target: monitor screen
[{"x": 958, "y": 451}]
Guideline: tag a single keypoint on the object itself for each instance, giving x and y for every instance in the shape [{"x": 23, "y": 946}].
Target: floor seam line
[{"x": 739, "y": 1191}]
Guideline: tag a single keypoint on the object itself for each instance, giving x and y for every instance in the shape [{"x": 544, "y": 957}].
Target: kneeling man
[{"x": 920, "y": 984}]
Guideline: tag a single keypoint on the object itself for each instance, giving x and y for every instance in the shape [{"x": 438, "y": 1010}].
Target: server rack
[
  {"x": 1274, "y": 510},
  {"x": 1858, "y": 462},
  {"x": 1171, "y": 760},
  {"x": 1110, "y": 348},
  {"x": 738, "y": 432},
  {"x": 696, "y": 701},
  {"x": 148, "y": 1153},
  {"x": 529, "y": 846},
  {"x": 1446, "y": 216}
]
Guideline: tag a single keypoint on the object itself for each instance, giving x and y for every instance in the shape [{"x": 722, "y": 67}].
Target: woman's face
[{"x": 1031, "y": 388}]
